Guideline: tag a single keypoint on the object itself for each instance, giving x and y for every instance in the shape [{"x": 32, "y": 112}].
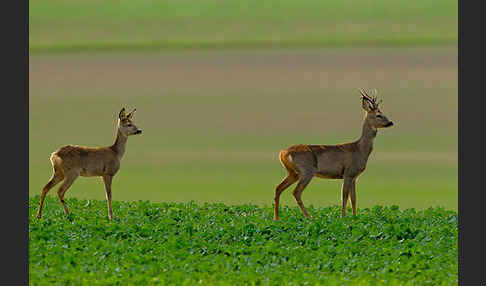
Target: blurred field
[
  {"x": 149, "y": 25},
  {"x": 214, "y": 121}
]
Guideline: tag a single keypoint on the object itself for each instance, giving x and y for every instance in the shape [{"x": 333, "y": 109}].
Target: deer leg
[
  {"x": 353, "y": 196},
  {"x": 287, "y": 182},
  {"x": 303, "y": 182},
  {"x": 55, "y": 179},
  {"x": 64, "y": 187},
  {"x": 345, "y": 193},
  {"x": 107, "y": 180}
]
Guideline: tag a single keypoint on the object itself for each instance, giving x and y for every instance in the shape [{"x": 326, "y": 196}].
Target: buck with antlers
[
  {"x": 344, "y": 161},
  {"x": 71, "y": 161}
]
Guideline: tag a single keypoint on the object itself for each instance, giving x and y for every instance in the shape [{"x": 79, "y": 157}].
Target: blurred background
[{"x": 221, "y": 86}]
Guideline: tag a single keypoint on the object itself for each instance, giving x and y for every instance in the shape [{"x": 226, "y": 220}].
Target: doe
[
  {"x": 344, "y": 161},
  {"x": 71, "y": 161}
]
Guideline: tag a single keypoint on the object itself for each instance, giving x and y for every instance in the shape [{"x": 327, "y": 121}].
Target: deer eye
[
  {"x": 379, "y": 116},
  {"x": 129, "y": 124}
]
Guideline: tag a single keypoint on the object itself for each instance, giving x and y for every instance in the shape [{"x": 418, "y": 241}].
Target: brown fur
[
  {"x": 343, "y": 161},
  {"x": 71, "y": 161},
  {"x": 299, "y": 148},
  {"x": 286, "y": 162}
]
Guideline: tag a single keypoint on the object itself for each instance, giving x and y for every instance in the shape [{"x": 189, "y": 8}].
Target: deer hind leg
[
  {"x": 55, "y": 179},
  {"x": 291, "y": 178},
  {"x": 70, "y": 178},
  {"x": 303, "y": 182}
]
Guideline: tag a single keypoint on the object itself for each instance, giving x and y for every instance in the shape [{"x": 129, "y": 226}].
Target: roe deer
[
  {"x": 71, "y": 161},
  {"x": 344, "y": 161}
]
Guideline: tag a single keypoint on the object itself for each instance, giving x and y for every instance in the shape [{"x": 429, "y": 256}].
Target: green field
[
  {"x": 220, "y": 88},
  {"x": 215, "y": 244},
  {"x": 151, "y": 25},
  {"x": 214, "y": 122}
]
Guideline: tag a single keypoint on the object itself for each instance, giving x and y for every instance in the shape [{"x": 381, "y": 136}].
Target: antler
[
  {"x": 130, "y": 114},
  {"x": 365, "y": 95},
  {"x": 373, "y": 100}
]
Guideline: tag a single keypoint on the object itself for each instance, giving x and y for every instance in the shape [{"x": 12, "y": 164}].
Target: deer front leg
[
  {"x": 347, "y": 184},
  {"x": 352, "y": 196},
  {"x": 107, "y": 180}
]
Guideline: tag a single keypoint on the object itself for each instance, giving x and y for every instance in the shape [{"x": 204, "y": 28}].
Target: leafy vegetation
[{"x": 188, "y": 243}]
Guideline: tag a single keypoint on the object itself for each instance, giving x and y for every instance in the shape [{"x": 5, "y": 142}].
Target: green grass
[
  {"x": 63, "y": 26},
  {"x": 218, "y": 244}
]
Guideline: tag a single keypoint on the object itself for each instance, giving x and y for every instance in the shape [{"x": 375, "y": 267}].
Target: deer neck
[
  {"x": 365, "y": 142},
  {"x": 120, "y": 143}
]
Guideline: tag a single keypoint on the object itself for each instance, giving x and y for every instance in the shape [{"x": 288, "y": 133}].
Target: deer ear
[
  {"x": 130, "y": 115},
  {"x": 122, "y": 114},
  {"x": 366, "y": 105}
]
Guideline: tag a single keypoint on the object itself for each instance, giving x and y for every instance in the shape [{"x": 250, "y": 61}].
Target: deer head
[
  {"x": 125, "y": 123},
  {"x": 374, "y": 116}
]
